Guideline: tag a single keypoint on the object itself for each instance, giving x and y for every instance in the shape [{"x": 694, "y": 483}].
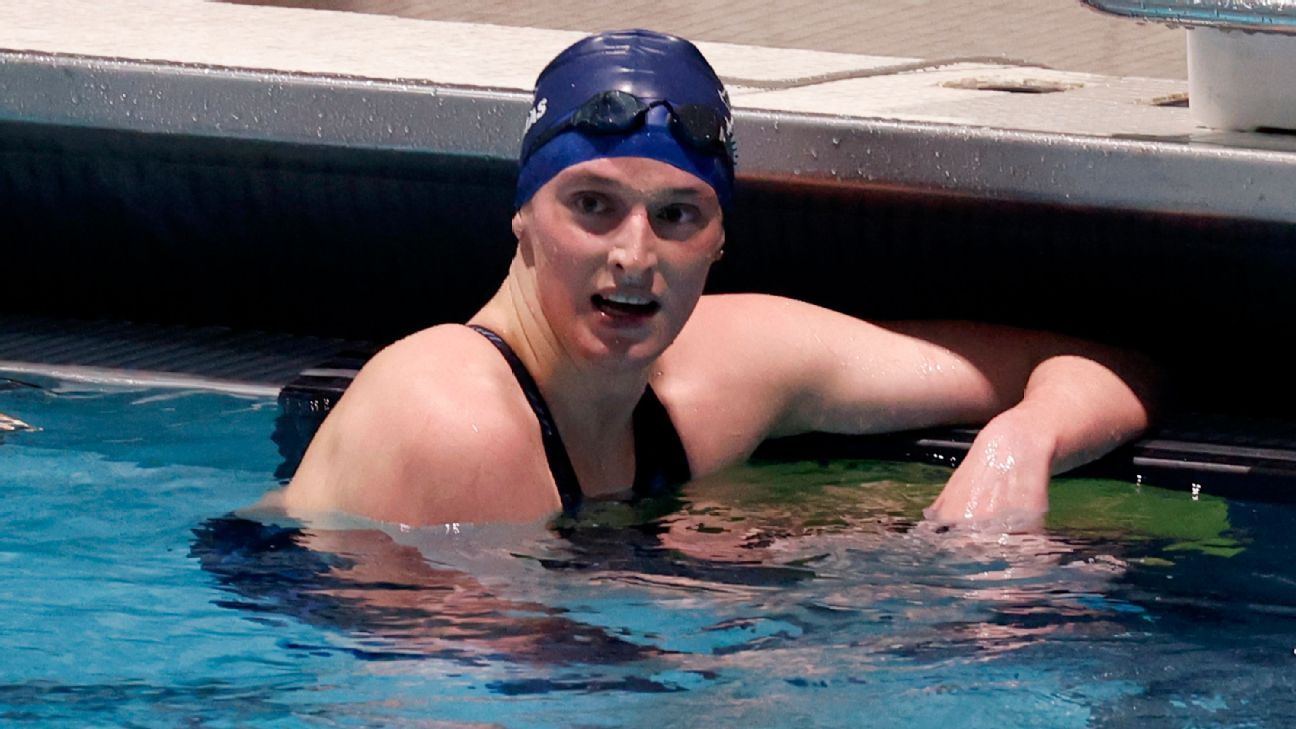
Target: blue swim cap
[{"x": 671, "y": 107}]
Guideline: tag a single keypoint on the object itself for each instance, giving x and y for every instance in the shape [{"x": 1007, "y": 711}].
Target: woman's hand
[
  {"x": 1003, "y": 483},
  {"x": 1074, "y": 410}
]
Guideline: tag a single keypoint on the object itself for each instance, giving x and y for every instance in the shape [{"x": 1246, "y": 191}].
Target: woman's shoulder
[
  {"x": 427, "y": 432},
  {"x": 435, "y": 366},
  {"x": 447, "y": 379}
]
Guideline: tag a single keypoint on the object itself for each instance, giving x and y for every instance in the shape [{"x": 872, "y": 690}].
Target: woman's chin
[{"x": 623, "y": 348}]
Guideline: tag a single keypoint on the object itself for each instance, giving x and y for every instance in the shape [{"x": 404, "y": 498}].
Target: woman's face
[{"x": 619, "y": 250}]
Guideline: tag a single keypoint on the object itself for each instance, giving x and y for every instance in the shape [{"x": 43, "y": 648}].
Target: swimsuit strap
[
  {"x": 569, "y": 490},
  {"x": 660, "y": 459},
  {"x": 661, "y": 462}
]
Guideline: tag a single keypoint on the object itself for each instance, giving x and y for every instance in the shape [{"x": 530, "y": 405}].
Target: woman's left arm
[{"x": 1049, "y": 402}]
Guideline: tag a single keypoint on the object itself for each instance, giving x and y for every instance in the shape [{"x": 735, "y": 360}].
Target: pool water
[{"x": 782, "y": 594}]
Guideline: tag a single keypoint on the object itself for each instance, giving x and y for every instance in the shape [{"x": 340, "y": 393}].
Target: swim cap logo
[
  {"x": 727, "y": 128},
  {"x": 730, "y": 141},
  {"x": 535, "y": 114}
]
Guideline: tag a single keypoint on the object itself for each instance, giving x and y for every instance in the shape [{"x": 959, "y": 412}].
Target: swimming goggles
[{"x": 618, "y": 112}]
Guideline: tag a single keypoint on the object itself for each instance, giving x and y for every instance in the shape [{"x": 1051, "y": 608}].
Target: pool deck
[
  {"x": 1061, "y": 34},
  {"x": 1000, "y": 129}
]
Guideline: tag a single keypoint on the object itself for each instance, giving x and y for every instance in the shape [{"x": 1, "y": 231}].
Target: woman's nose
[{"x": 634, "y": 245}]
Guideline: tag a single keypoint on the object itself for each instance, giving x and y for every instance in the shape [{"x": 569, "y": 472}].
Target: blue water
[{"x": 774, "y": 595}]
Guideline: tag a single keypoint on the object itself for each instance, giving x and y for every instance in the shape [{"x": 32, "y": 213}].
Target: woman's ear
[{"x": 518, "y": 225}]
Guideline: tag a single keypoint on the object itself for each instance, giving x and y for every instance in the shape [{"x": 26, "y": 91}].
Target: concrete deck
[
  {"x": 1061, "y": 34},
  {"x": 953, "y": 90},
  {"x": 990, "y": 127}
]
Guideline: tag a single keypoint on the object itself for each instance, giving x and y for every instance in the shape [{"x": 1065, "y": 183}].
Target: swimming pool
[{"x": 779, "y": 594}]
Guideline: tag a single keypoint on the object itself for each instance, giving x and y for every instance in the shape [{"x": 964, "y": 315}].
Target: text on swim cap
[{"x": 533, "y": 116}]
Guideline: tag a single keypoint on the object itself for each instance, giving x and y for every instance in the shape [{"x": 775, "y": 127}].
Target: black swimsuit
[{"x": 660, "y": 460}]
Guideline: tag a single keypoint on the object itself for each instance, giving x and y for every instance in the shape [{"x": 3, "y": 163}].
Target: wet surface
[{"x": 1062, "y": 35}]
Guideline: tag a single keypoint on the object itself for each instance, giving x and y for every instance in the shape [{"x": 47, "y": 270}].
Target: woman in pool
[{"x": 601, "y": 334}]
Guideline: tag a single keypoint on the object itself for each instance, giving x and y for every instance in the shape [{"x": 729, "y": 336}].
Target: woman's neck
[{"x": 592, "y": 404}]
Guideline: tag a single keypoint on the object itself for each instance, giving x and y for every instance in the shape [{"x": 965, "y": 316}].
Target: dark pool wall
[
  {"x": 305, "y": 239},
  {"x": 1210, "y": 298},
  {"x": 374, "y": 244}
]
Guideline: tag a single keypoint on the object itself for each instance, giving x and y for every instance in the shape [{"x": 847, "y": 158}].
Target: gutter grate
[{"x": 211, "y": 353}]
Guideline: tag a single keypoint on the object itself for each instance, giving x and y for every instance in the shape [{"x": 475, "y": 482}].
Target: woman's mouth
[{"x": 619, "y": 305}]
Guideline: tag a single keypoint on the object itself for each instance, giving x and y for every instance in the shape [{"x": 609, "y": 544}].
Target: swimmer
[{"x": 599, "y": 369}]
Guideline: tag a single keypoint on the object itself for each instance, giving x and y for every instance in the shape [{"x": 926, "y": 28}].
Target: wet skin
[{"x": 604, "y": 296}]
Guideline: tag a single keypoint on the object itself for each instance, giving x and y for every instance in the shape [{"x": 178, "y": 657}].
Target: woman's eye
[
  {"x": 677, "y": 214},
  {"x": 590, "y": 204}
]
